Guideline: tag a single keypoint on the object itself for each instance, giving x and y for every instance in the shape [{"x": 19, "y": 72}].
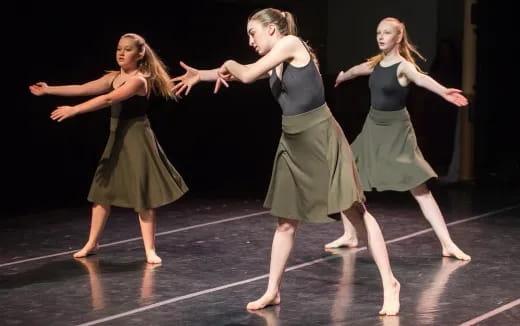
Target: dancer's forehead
[
  {"x": 387, "y": 25},
  {"x": 126, "y": 42},
  {"x": 253, "y": 25}
]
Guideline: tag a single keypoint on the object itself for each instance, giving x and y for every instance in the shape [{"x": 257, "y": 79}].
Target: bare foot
[
  {"x": 454, "y": 251},
  {"x": 87, "y": 250},
  {"x": 152, "y": 258},
  {"x": 391, "y": 301},
  {"x": 343, "y": 241},
  {"x": 264, "y": 301}
]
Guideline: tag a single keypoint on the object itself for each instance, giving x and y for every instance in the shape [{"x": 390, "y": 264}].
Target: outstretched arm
[
  {"x": 451, "y": 95},
  {"x": 362, "y": 69},
  {"x": 283, "y": 50},
  {"x": 133, "y": 87},
  {"x": 232, "y": 70},
  {"x": 94, "y": 87},
  {"x": 192, "y": 77}
]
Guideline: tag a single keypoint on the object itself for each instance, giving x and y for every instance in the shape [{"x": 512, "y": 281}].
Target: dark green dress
[
  {"x": 134, "y": 171},
  {"x": 314, "y": 177},
  {"x": 386, "y": 150}
]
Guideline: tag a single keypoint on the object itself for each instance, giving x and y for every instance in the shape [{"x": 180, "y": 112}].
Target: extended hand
[
  {"x": 339, "y": 79},
  {"x": 63, "y": 112},
  {"x": 454, "y": 96},
  {"x": 185, "y": 82},
  {"x": 223, "y": 77},
  {"x": 39, "y": 88}
]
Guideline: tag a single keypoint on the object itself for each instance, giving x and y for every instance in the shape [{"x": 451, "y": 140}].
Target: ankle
[
  {"x": 271, "y": 293},
  {"x": 91, "y": 245}
]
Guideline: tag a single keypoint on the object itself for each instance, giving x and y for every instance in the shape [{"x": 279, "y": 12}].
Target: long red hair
[{"x": 406, "y": 48}]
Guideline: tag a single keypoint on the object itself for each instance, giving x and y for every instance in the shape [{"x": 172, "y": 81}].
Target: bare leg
[
  {"x": 283, "y": 242},
  {"x": 348, "y": 239},
  {"x": 147, "y": 220},
  {"x": 100, "y": 215},
  {"x": 433, "y": 214},
  {"x": 370, "y": 232}
]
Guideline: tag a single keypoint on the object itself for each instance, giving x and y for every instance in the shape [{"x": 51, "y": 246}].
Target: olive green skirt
[
  {"x": 314, "y": 176},
  {"x": 387, "y": 154},
  {"x": 134, "y": 171}
]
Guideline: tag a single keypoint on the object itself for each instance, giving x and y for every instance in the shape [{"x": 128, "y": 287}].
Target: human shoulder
[
  {"x": 140, "y": 77},
  {"x": 290, "y": 41},
  {"x": 109, "y": 77},
  {"x": 406, "y": 65}
]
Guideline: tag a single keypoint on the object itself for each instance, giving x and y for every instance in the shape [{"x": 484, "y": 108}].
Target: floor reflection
[
  {"x": 389, "y": 320},
  {"x": 344, "y": 295},
  {"x": 270, "y": 315},
  {"x": 428, "y": 305},
  {"x": 94, "y": 268}
]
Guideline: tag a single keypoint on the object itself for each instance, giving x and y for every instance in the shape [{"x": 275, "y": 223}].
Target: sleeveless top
[
  {"x": 386, "y": 94},
  {"x": 133, "y": 107},
  {"x": 300, "y": 90}
]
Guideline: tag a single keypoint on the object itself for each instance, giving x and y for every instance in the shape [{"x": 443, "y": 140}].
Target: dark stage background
[{"x": 223, "y": 144}]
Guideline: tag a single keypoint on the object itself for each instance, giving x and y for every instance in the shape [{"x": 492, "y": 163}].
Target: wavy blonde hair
[
  {"x": 152, "y": 68},
  {"x": 406, "y": 48}
]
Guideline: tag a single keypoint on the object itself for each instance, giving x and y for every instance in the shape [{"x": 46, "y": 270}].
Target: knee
[
  {"x": 147, "y": 214},
  {"x": 286, "y": 228},
  {"x": 420, "y": 192},
  {"x": 96, "y": 206}
]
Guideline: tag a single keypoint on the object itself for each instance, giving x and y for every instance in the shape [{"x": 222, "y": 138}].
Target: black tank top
[
  {"x": 300, "y": 90},
  {"x": 386, "y": 94},
  {"x": 133, "y": 107}
]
